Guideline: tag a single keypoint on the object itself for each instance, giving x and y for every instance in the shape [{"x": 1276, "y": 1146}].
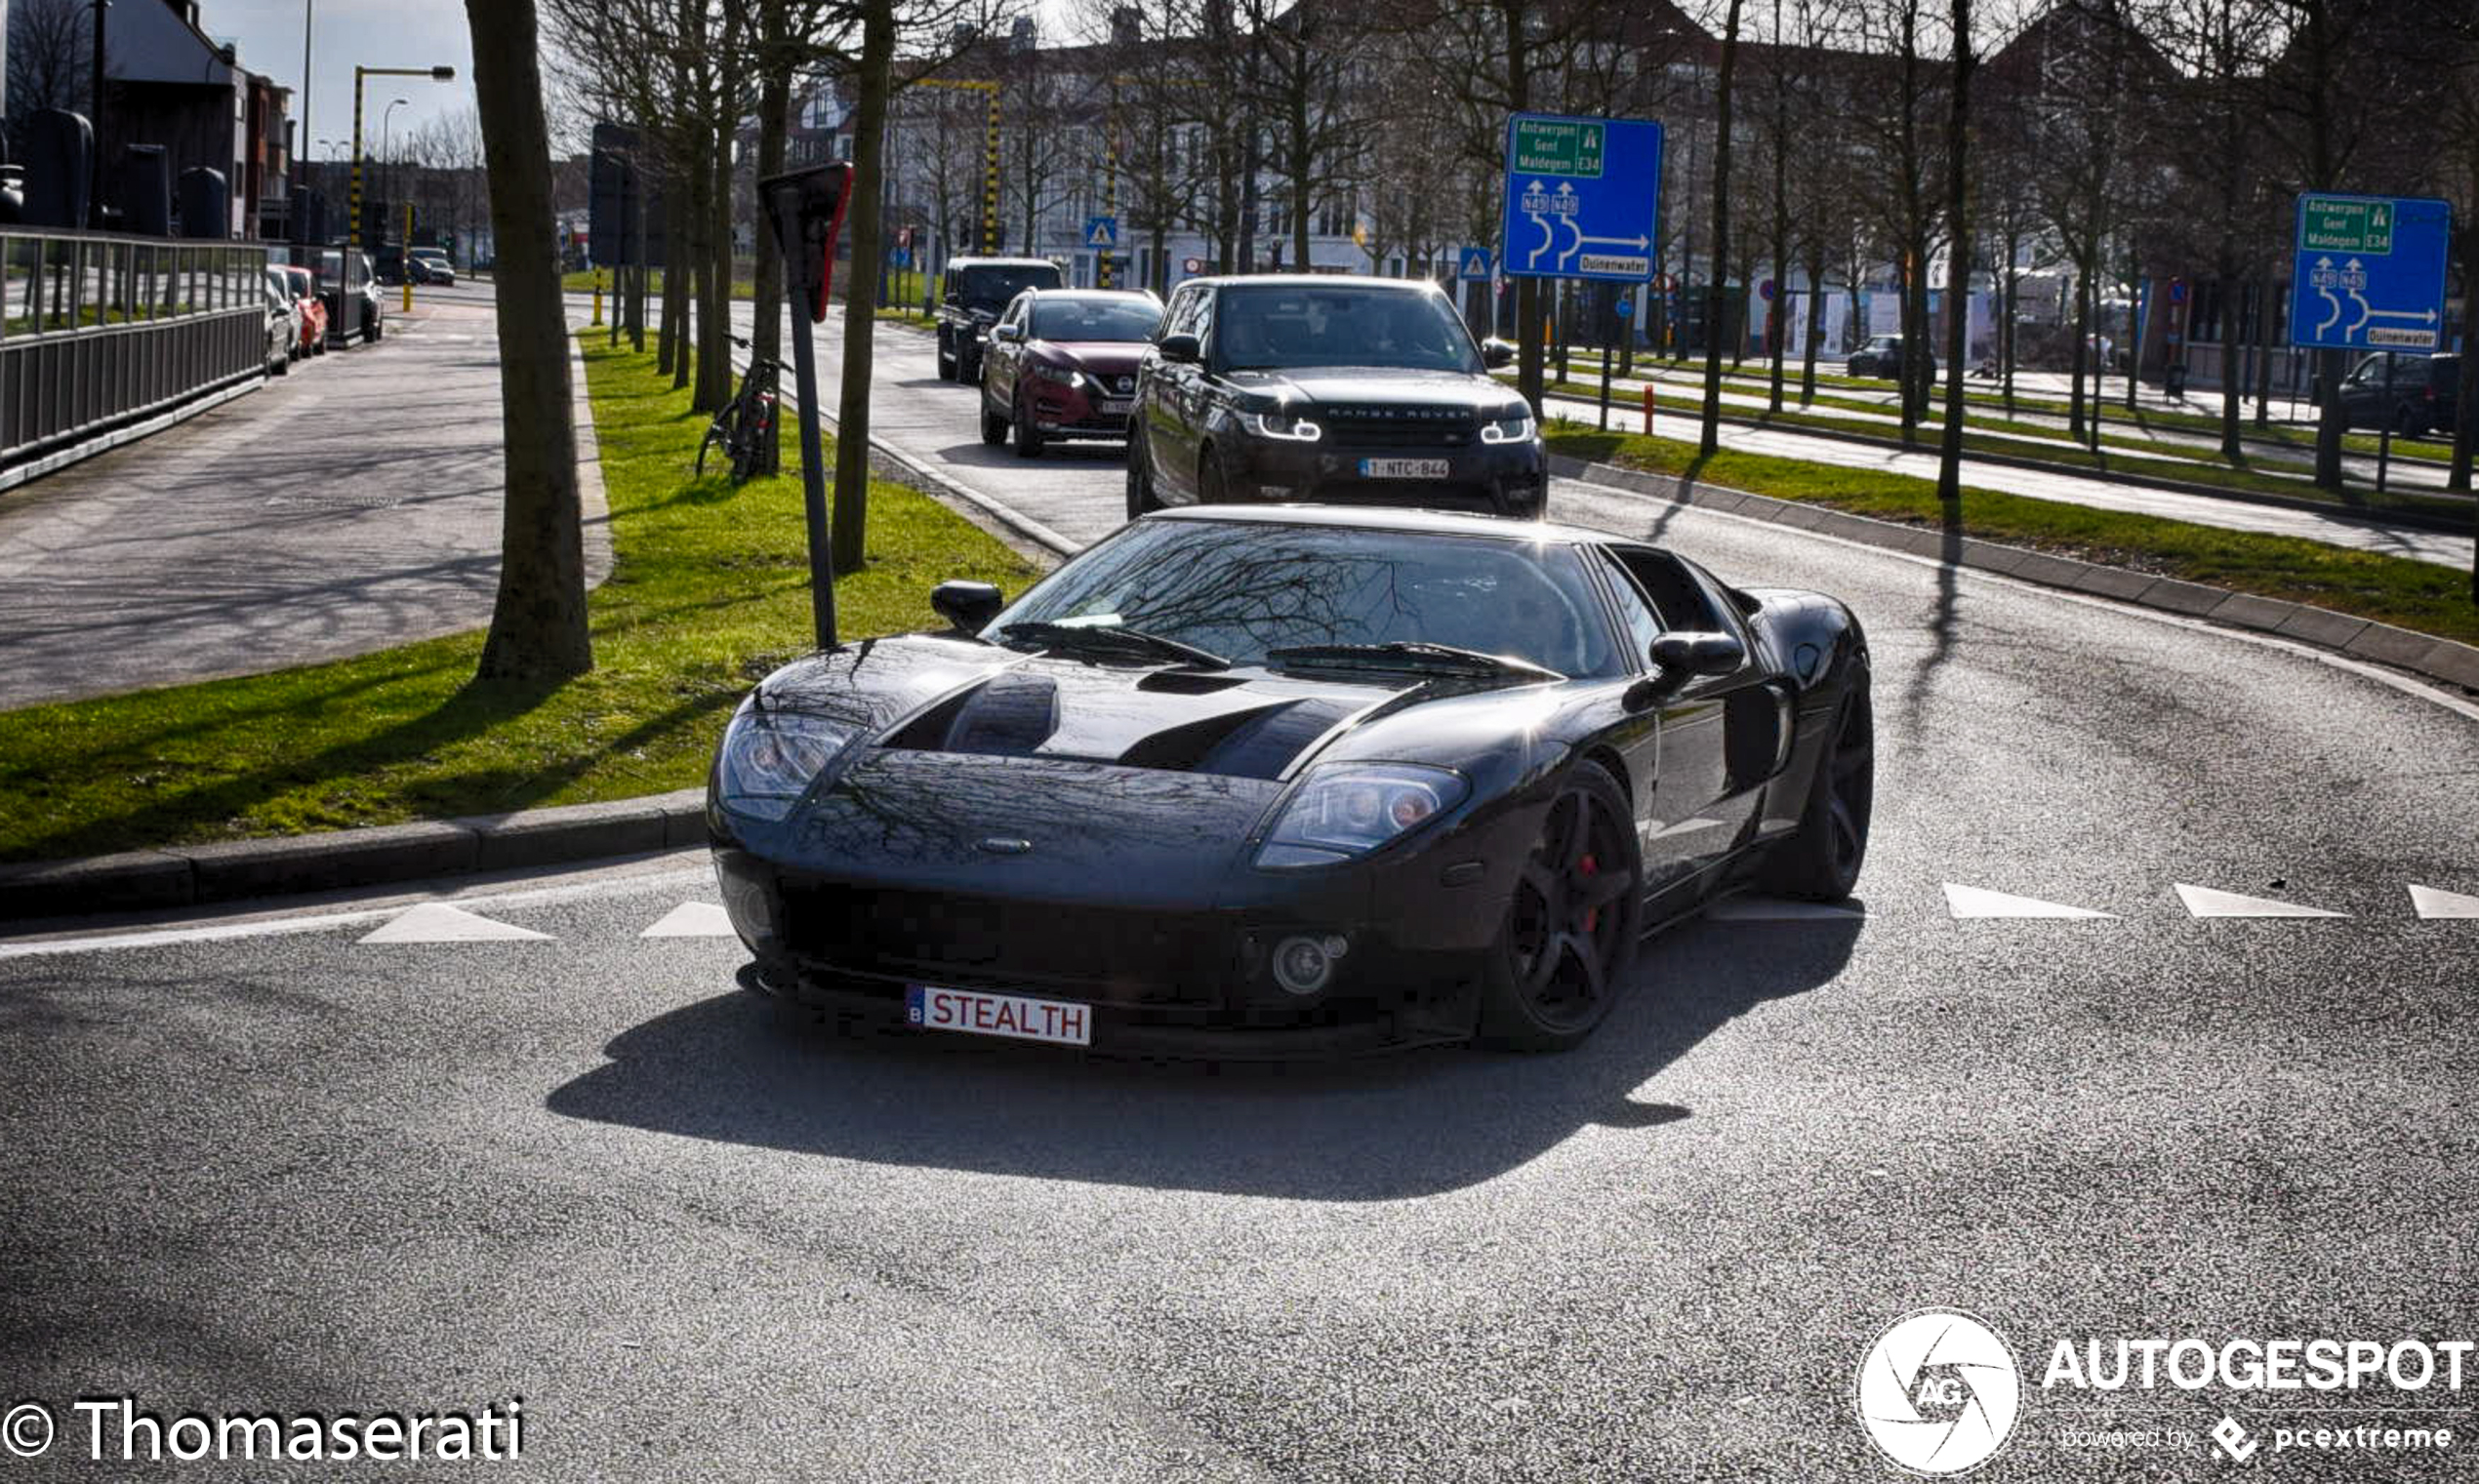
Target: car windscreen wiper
[
  {"x": 1411, "y": 655},
  {"x": 1110, "y": 637}
]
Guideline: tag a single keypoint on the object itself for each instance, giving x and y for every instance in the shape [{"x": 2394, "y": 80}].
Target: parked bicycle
[{"x": 745, "y": 429}]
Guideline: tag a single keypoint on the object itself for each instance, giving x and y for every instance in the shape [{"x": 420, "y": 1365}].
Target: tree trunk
[
  {"x": 537, "y": 620},
  {"x": 774, "y": 122},
  {"x": 714, "y": 307},
  {"x": 1709, "y": 438},
  {"x": 1816, "y": 323},
  {"x": 1958, "y": 275},
  {"x": 861, "y": 295},
  {"x": 667, "y": 333}
]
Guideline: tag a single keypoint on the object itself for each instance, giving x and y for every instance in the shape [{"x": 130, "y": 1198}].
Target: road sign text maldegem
[
  {"x": 1558, "y": 147},
  {"x": 2341, "y": 225}
]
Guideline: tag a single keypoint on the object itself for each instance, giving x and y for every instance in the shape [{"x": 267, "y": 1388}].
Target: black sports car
[{"x": 1292, "y": 780}]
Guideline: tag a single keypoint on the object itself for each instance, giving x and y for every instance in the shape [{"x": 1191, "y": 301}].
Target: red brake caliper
[{"x": 1590, "y": 865}]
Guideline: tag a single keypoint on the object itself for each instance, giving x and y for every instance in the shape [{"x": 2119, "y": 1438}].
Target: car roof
[
  {"x": 1390, "y": 519},
  {"x": 1317, "y": 280},
  {"x": 1146, "y": 295},
  {"x": 999, "y": 262}
]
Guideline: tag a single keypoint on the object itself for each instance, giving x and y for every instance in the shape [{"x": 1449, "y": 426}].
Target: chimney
[{"x": 1127, "y": 25}]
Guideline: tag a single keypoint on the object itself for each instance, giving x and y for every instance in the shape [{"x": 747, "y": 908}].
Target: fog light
[{"x": 1302, "y": 964}]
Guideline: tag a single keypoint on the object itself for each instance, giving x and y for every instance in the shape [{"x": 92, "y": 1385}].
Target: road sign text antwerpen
[
  {"x": 1581, "y": 197},
  {"x": 2370, "y": 273}
]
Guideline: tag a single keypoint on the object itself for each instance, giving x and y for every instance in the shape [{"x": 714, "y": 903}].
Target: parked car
[
  {"x": 370, "y": 320},
  {"x": 283, "y": 322},
  {"x": 429, "y": 265},
  {"x": 978, "y": 291},
  {"x": 1060, "y": 363},
  {"x": 1355, "y": 390},
  {"x": 2417, "y": 394},
  {"x": 313, "y": 308},
  {"x": 1284, "y": 783},
  {"x": 1882, "y": 357}
]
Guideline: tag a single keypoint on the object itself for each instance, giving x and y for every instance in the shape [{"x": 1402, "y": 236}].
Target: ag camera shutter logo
[{"x": 1938, "y": 1393}]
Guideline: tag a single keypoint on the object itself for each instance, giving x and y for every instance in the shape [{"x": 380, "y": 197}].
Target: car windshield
[
  {"x": 992, "y": 286},
  {"x": 1094, "y": 319},
  {"x": 1261, "y": 327},
  {"x": 1241, "y": 589}
]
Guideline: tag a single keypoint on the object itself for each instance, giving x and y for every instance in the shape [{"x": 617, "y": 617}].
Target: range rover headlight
[
  {"x": 1346, "y": 810},
  {"x": 1281, "y": 424},
  {"x": 1514, "y": 429},
  {"x": 770, "y": 758}
]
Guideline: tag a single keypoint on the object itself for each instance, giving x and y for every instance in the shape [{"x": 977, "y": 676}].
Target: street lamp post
[
  {"x": 345, "y": 301},
  {"x": 387, "y": 154}
]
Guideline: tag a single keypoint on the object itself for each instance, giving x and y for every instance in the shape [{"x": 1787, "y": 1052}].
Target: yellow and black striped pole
[
  {"x": 344, "y": 308},
  {"x": 989, "y": 172}
]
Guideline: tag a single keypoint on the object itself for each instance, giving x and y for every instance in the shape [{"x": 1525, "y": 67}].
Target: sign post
[{"x": 806, "y": 210}]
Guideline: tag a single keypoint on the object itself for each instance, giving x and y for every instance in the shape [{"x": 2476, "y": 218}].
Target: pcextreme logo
[{"x": 1938, "y": 1393}]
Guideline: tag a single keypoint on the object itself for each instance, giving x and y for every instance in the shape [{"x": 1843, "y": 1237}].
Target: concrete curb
[
  {"x": 179, "y": 876},
  {"x": 2444, "y": 661}
]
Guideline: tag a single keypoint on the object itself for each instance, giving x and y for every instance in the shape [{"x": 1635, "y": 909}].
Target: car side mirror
[
  {"x": 967, "y": 605},
  {"x": 1682, "y": 655},
  {"x": 1496, "y": 353},
  {"x": 1186, "y": 349},
  {"x": 1010, "y": 333}
]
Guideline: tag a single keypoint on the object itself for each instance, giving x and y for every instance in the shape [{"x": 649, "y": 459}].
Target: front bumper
[
  {"x": 1162, "y": 975},
  {"x": 1075, "y": 412},
  {"x": 1508, "y": 479}
]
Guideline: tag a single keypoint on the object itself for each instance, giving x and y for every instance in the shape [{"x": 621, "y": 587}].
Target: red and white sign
[{"x": 1013, "y": 1015}]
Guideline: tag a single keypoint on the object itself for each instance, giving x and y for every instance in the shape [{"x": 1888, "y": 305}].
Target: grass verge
[
  {"x": 708, "y": 590},
  {"x": 2417, "y": 595},
  {"x": 2041, "y": 445}
]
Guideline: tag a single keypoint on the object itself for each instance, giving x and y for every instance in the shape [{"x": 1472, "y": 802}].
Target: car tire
[
  {"x": 968, "y": 366},
  {"x": 1141, "y": 498},
  {"x": 1821, "y": 862},
  {"x": 946, "y": 357},
  {"x": 1572, "y": 921},
  {"x": 994, "y": 425},
  {"x": 1028, "y": 438}
]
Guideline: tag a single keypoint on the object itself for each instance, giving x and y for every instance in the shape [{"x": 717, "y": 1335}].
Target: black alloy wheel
[
  {"x": 1821, "y": 862},
  {"x": 1028, "y": 438},
  {"x": 1141, "y": 498},
  {"x": 1561, "y": 957}
]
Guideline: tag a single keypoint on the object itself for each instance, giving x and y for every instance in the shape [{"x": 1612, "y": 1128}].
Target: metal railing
[{"x": 99, "y": 330}]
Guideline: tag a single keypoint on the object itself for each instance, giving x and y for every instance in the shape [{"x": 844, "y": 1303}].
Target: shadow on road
[{"x": 1388, "y": 1128}]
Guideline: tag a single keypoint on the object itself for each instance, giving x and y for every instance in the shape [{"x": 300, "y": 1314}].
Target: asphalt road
[{"x": 283, "y": 1169}]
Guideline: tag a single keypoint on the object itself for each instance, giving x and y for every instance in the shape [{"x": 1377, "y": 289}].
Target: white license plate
[
  {"x": 1014, "y": 1016},
  {"x": 1118, "y": 409},
  {"x": 1403, "y": 468}
]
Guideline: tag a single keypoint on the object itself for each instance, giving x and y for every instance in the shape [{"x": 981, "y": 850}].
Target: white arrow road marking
[
  {"x": 1978, "y": 901},
  {"x": 692, "y": 919},
  {"x": 1779, "y": 909},
  {"x": 2432, "y": 903},
  {"x": 2204, "y": 902},
  {"x": 438, "y": 922}
]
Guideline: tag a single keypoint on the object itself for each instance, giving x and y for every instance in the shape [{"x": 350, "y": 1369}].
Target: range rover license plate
[{"x": 1403, "y": 468}]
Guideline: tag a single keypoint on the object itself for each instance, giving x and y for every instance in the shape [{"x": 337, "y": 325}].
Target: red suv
[{"x": 1061, "y": 364}]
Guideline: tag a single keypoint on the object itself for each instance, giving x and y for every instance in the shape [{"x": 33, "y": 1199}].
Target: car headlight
[
  {"x": 1281, "y": 424},
  {"x": 1056, "y": 377},
  {"x": 1515, "y": 429},
  {"x": 1346, "y": 810},
  {"x": 770, "y": 758}
]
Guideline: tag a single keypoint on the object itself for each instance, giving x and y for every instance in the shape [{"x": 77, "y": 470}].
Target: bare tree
[{"x": 50, "y": 59}]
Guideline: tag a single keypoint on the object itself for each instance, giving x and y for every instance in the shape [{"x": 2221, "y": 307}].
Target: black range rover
[{"x": 1339, "y": 390}]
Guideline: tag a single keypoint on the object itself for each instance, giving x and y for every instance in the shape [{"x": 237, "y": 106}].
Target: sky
[{"x": 345, "y": 34}]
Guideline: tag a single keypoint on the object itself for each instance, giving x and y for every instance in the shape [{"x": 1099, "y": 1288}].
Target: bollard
[
  {"x": 597, "y": 319},
  {"x": 1647, "y": 409}
]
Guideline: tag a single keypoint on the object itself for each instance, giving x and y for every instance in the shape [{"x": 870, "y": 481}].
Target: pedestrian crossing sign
[
  {"x": 1102, "y": 231},
  {"x": 1476, "y": 265}
]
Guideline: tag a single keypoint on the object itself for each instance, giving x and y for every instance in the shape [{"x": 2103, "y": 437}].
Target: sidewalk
[{"x": 350, "y": 506}]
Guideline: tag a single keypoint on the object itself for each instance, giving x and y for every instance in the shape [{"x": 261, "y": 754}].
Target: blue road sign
[
  {"x": 1102, "y": 231},
  {"x": 1581, "y": 195},
  {"x": 2370, "y": 273},
  {"x": 1476, "y": 265}
]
